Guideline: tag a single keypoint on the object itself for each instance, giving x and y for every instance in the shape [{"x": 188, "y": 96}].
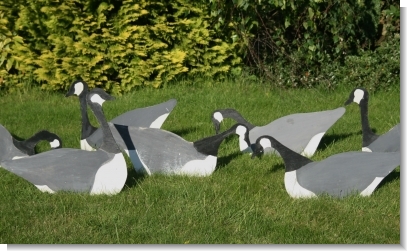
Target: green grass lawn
[{"x": 243, "y": 201}]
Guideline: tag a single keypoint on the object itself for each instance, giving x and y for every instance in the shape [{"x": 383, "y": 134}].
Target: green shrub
[{"x": 117, "y": 45}]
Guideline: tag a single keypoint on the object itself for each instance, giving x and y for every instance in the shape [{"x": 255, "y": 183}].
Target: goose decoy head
[
  {"x": 54, "y": 140},
  {"x": 261, "y": 144},
  {"x": 357, "y": 95},
  {"x": 98, "y": 96},
  {"x": 217, "y": 118},
  {"x": 78, "y": 87}
]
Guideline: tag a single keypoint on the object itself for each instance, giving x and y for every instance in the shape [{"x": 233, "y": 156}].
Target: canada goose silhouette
[
  {"x": 161, "y": 151},
  {"x": 11, "y": 148},
  {"x": 300, "y": 132},
  {"x": 371, "y": 142},
  {"x": 91, "y": 137},
  {"x": 338, "y": 175},
  {"x": 103, "y": 171}
]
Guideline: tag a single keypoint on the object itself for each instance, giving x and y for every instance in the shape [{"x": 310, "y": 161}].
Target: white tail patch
[
  {"x": 203, "y": 167},
  {"x": 366, "y": 149},
  {"x": 312, "y": 145},
  {"x": 159, "y": 121},
  {"x": 369, "y": 190},
  {"x": 293, "y": 188},
  {"x": 45, "y": 188},
  {"x": 85, "y": 146},
  {"x": 111, "y": 176},
  {"x": 18, "y": 157}
]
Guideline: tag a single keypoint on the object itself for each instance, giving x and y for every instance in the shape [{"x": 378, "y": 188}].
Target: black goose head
[
  {"x": 292, "y": 160},
  {"x": 28, "y": 146},
  {"x": 357, "y": 95},
  {"x": 220, "y": 114},
  {"x": 78, "y": 88},
  {"x": 217, "y": 118}
]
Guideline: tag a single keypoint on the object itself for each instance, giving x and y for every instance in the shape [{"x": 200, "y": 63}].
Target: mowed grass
[{"x": 243, "y": 201}]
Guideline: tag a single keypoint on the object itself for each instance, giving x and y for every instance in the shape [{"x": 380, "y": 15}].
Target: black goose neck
[
  {"x": 108, "y": 143},
  {"x": 87, "y": 128},
  {"x": 210, "y": 145},
  {"x": 292, "y": 160},
  {"x": 368, "y": 135}
]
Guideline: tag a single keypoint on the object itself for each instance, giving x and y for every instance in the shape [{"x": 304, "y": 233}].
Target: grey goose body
[
  {"x": 339, "y": 175},
  {"x": 103, "y": 171},
  {"x": 300, "y": 132},
  {"x": 161, "y": 151}
]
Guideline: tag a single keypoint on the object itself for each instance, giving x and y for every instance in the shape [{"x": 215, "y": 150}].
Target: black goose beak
[
  {"x": 69, "y": 93},
  {"x": 257, "y": 151},
  {"x": 350, "y": 100}
]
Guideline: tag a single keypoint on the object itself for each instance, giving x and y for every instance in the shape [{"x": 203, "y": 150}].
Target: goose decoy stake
[
  {"x": 11, "y": 148},
  {"x": 300, "y": 132},
  {"x": 103, "y": 171},
  {"x": 91, "y": 137},
  {"x": 371, "y": 142},
  {"x": 339, "y": 175},
  {"x": 161, "y": 151}
]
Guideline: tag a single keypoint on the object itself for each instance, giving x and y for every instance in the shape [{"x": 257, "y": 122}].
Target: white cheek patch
[
  {"x": 78, "y": 88},
  {"x": 55, "y": 143},
  {"x": 358, "y": 96},
  {"x": 96, "y": 98},
  {"x": 241, "y": 130},
  {"x": 218, "y": 116},
  {"x": 265, "y": 143}
]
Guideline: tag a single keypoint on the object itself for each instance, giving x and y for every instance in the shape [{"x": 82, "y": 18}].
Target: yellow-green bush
[{"x": 116, "y": 45}]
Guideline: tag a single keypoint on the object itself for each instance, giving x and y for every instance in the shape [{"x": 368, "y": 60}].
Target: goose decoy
[
  {"x": 161, "y": 151},
  {"x": 338, "y": 175},
  {"x": 103, "y": 171},
  {"x": 300, "y": 132},
  {"x": 91, "y": 137},
  {"x": 11, "y": 148},
  {"x": 371, "y": 142}
]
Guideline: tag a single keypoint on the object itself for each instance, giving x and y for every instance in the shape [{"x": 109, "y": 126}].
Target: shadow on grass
[
  {"x": 327, "y": 140},
  {"x": 277, "y": 167},
  {"x": 395, "y": 175},
  {"x": 225, "y": 160},
  {"x": 184, "y": 131},
  {"x": 133, "y": 179}
]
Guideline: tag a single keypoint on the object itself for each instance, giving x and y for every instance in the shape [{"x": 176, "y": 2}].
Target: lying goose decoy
[
  {"x": 103, "y": 171},
  {"x": 91, "y": 137},
  {"x": 161, "y": 151},
  {"x": 10, "y": 148},
  {"x": 300, "y": 132},
  {"x": 371, "y": 142},
  {"x": 338, "y": 175}
]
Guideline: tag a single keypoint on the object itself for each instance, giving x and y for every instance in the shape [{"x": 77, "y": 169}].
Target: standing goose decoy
[
  {"x": 103, "y": 171},
  {"x": 161, "y": 151},
  {"x": 300, "y": 132},
  {"x": 338, "y": 175},
  {"x": 371, "y": 142},
  {"x": 10, "y": 148},
  {"x": 91, "y": 137}
]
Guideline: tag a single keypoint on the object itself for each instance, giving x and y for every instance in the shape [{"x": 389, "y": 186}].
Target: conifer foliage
[{"x": 116, "y": 45}]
